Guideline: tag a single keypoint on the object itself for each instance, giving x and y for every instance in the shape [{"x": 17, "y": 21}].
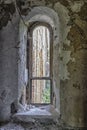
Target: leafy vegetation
[{"x": 46, "y": 93}]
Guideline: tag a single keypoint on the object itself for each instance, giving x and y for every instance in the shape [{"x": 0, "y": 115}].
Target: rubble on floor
[
  {"x": 35, "y": 126},
  {"x": 11, "y": 126}
]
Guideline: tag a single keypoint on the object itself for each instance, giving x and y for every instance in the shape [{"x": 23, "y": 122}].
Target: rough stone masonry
[{"x": 71, "y": 58}]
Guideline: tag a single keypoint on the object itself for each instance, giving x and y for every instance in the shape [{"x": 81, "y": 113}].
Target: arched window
[
  {"x": 32, "y": 76},
  {"x": 40, "y": 63}
]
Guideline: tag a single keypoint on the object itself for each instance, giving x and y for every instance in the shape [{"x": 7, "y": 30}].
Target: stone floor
[
  {"x": 35, "y": 126},
  {"x": 36, "y": 119},
  {"x": 30, "y": 126},
  {"x": 42, "y": 118}
]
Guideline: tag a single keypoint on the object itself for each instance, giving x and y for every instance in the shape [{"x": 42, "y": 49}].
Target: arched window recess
[{"x": 40, "y": 63}]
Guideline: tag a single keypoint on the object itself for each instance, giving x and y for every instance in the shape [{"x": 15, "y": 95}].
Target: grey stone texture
[{"x": 70, "y": 56}]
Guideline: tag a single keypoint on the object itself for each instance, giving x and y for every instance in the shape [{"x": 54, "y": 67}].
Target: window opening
[{"x": 40, "y": 65}]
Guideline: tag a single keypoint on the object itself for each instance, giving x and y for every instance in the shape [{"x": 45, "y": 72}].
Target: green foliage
[{"x": 46, "y": 93}]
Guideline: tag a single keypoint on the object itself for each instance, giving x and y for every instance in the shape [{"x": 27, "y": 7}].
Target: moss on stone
[
  {"x": 77, "y": 37},
  {"x": 6, "y": 10},
  {"x": 83, "y": 12}
]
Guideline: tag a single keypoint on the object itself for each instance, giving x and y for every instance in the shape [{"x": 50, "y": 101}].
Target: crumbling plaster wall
[
  {"x": 72, "y": 57},
  {"x": 8, "y": 59}
]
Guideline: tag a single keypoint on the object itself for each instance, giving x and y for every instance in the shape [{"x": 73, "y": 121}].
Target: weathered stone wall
[
  {"x": 73, "y": 88},
  {"x": 72, "y": 56},
  {"x": 8, "y": 66}
]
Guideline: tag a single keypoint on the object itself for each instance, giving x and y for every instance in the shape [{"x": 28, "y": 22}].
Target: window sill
[{"x": 43, "y": 114}]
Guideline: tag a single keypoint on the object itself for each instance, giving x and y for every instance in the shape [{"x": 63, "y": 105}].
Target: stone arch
[{"x": 49, "y": 16}]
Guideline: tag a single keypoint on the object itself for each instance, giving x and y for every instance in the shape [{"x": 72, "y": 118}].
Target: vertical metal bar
[
  {"x": 30, "y": 90},
  {"x": 51, "y": 91},
  {"x": 51, "y": 63}
]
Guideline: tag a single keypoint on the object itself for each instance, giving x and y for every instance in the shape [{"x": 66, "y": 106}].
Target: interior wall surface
[{"x": 70, "y": 50}]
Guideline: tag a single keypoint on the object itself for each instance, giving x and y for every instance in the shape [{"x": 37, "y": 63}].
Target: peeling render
[{"x": 76, "y": 6}]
